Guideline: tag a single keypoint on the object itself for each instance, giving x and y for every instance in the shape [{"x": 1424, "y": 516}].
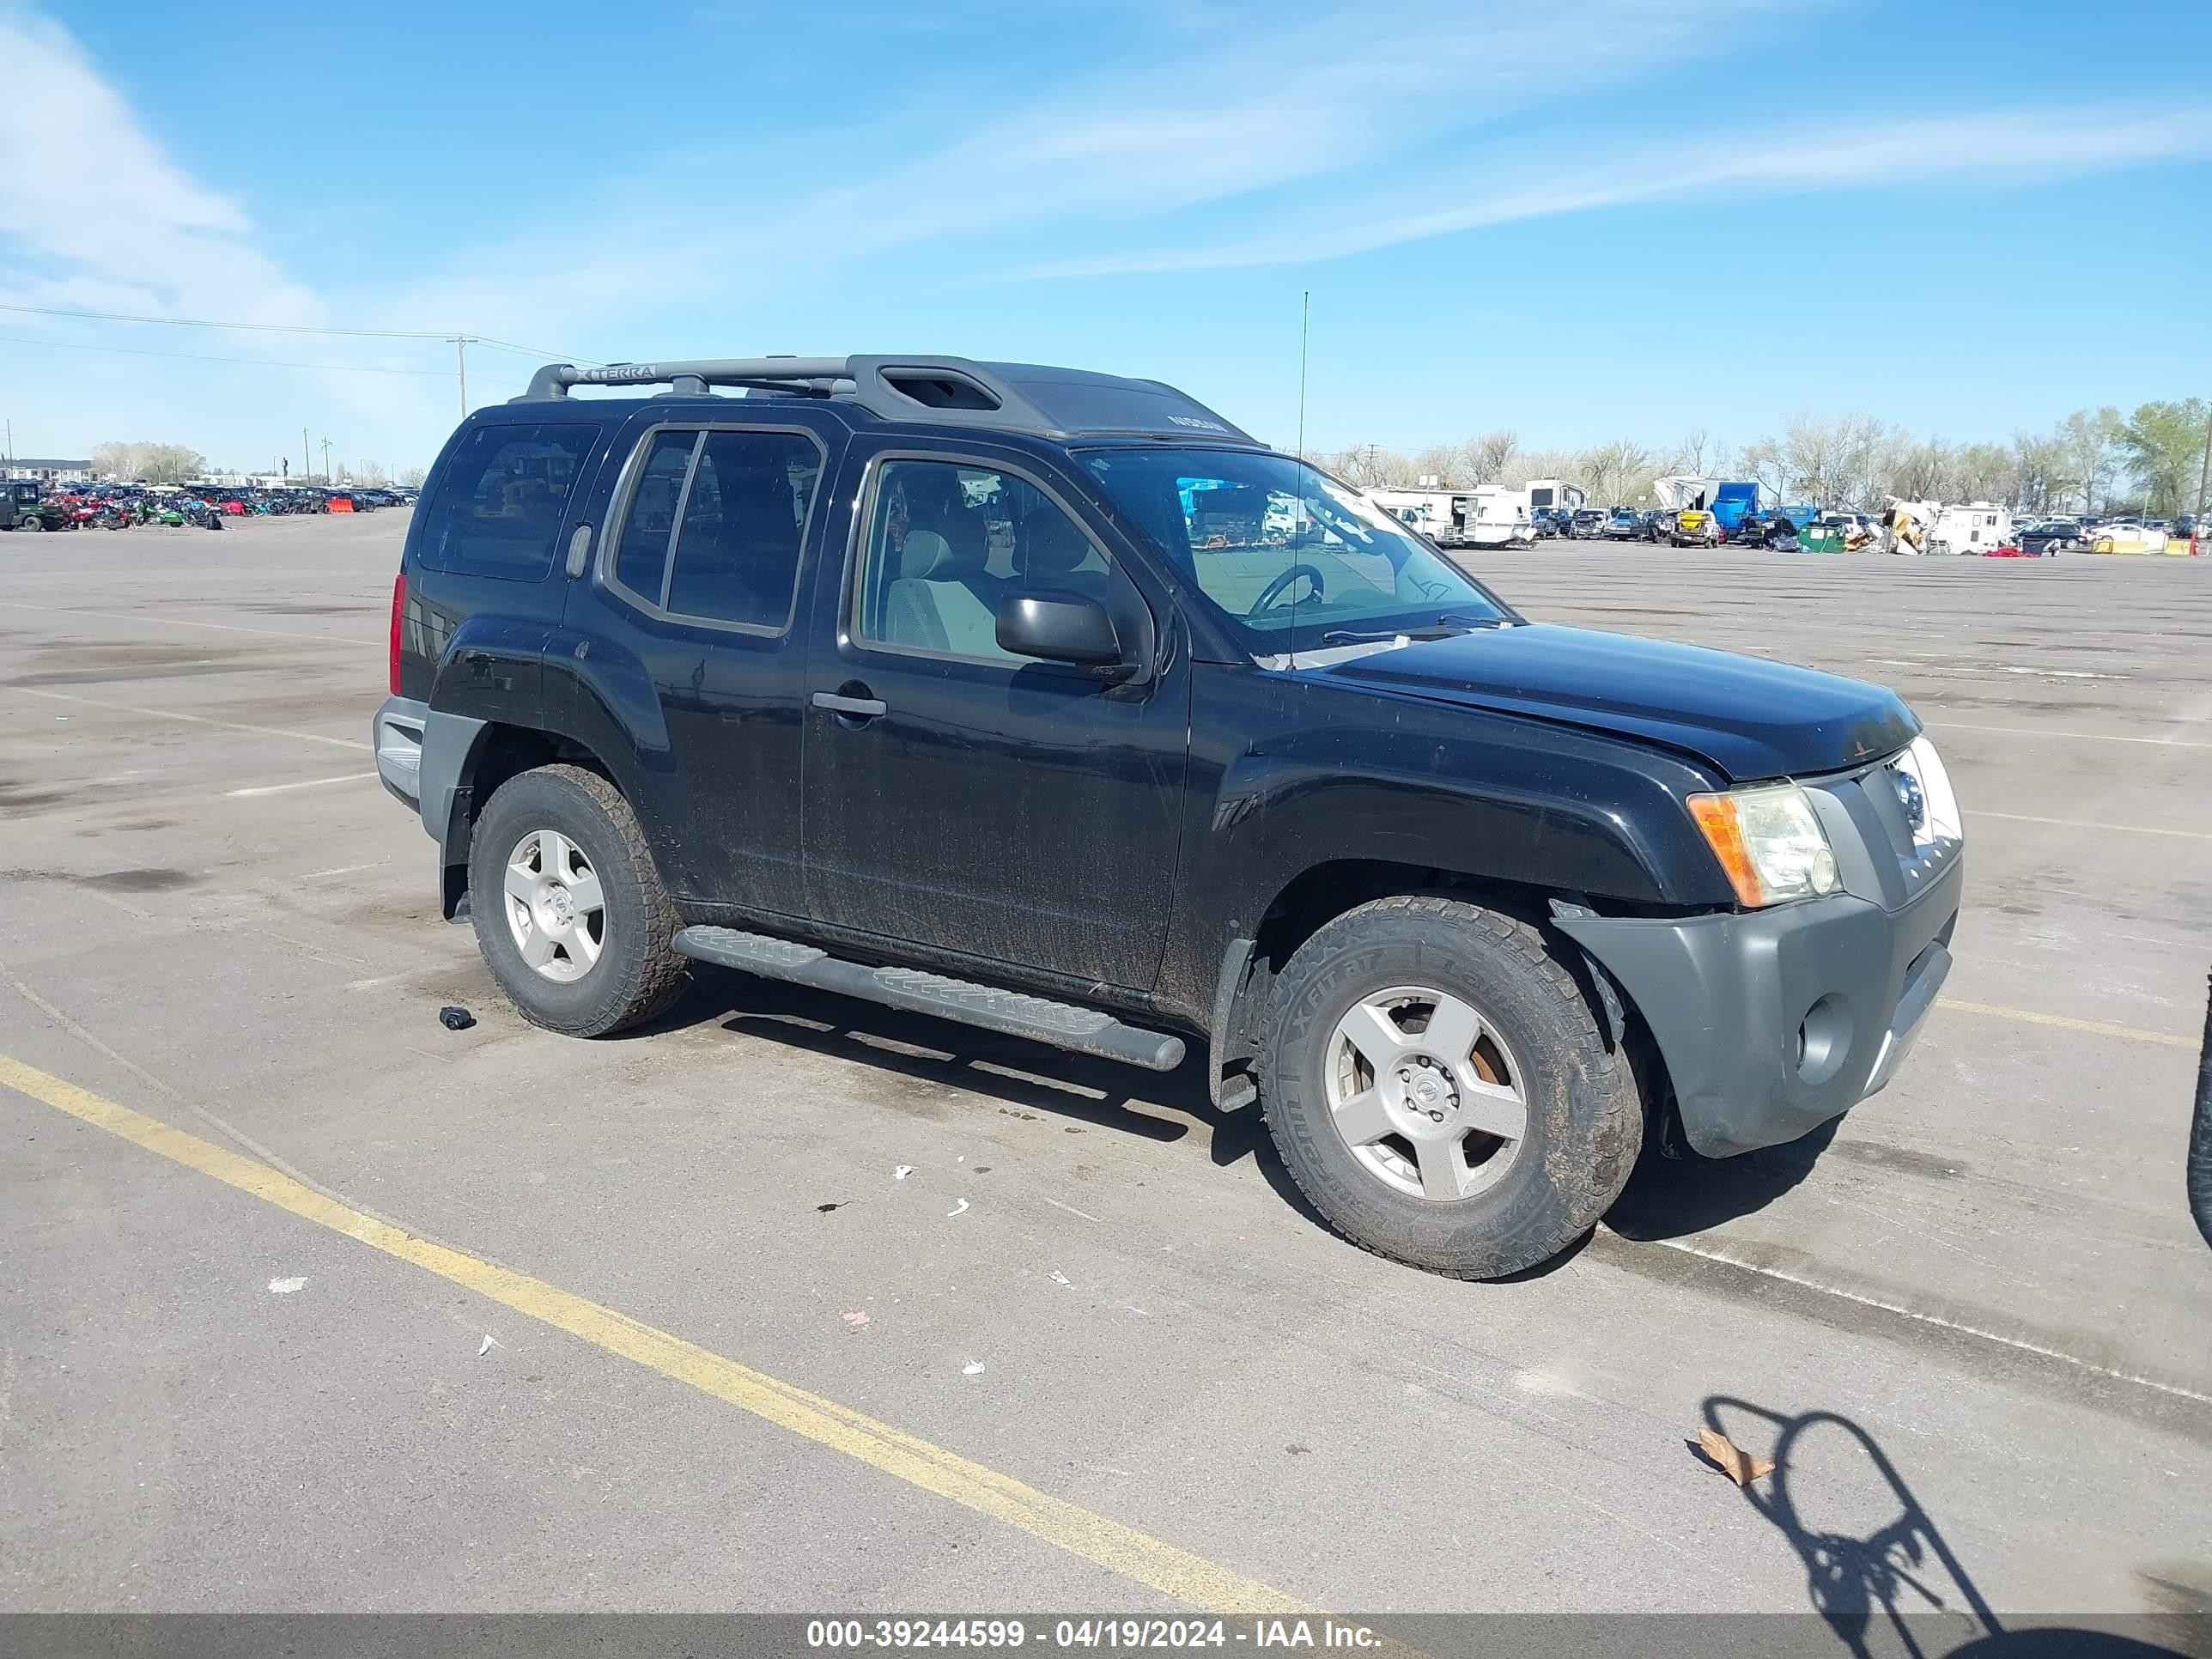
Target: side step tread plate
[{"x": 1063, "y": 1025}]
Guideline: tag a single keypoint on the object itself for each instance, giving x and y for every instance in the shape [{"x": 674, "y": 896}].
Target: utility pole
[
  {"x": 307, "y": 458},
  {"x": 328, "y": 477},
  {"x": 2204, "y": 472},
  {"x": 1305, "y": 319},
  {"x": 461, "y": 344}
]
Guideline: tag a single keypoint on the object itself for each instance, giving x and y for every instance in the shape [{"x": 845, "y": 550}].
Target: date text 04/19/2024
[{"x": 1090, "y": 1634}]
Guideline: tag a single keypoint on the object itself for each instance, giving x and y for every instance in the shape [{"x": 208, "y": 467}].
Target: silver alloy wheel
[
  {"x": 555, "y": 907},
  {"x": 1426, "y": 1093}
]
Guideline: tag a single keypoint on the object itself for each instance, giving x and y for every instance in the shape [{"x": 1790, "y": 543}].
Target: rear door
[
  {"x": 481, "y": 595},
  {"x": 690, "y": 611},
  {"x": 963, "y": 798}
]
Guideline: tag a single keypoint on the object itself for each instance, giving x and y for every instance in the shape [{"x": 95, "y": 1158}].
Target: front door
[{"x": 960, "y": 796}]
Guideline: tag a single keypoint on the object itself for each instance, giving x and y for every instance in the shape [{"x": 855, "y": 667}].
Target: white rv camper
[
  {"x": 1439, "y": 514},
  {"x": 1931, "y": 527},
  {"x": 1973, "y": 527},
  {"x": 1552, "y": 493},
  {"x": 1497, "y": 517}
]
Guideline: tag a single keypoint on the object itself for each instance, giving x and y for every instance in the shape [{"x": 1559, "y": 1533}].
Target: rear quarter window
[{"x": 500, "y": 502}]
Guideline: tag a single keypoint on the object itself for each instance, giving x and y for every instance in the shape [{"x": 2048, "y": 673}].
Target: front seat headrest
[
  {"x": 1052, "y": 544},
  {"x": 925, "y": 555}
]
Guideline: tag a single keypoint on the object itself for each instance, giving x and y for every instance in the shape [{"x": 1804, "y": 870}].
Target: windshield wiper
[{"x": 1442, "y": 629}]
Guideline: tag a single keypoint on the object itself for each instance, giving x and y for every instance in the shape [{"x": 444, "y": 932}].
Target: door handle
[{"x": 859, "y": 708}]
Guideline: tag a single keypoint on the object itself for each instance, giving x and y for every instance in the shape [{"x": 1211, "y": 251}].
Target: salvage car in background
[
  {"x": 19, "y": 505},
  {"x": 2120, "y": 536}
]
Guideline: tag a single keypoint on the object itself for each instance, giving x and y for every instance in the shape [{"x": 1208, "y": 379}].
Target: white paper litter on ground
[{"x": 285, "y": 1286}]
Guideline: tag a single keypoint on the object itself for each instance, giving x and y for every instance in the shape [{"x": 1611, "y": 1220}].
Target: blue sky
[{"x": 1580, "y": 219}]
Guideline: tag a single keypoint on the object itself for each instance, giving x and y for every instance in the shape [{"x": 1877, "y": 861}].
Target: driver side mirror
[{"x": 1059, "y": 627}]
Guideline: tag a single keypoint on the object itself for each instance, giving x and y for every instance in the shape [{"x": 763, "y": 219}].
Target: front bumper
[{"x": 1772, "y": 1022}]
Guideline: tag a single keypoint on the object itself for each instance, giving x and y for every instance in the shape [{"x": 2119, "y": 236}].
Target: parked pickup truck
[{"x": 1052, "y": 702}]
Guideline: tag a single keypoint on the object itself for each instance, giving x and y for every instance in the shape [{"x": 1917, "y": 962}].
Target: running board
[{"x": 1062, "y": 1024}]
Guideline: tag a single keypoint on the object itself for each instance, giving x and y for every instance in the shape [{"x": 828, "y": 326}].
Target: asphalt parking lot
[{"x": 679, "y": 1339}]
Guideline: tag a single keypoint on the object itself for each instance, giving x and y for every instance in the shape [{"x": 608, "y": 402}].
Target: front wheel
[
  {"x": 569, "y": 908},
  {"x": 1439, "y": 1090}
]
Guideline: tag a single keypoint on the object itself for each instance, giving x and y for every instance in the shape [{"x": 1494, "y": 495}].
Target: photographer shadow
[{"x": 1882, "y": 1590}]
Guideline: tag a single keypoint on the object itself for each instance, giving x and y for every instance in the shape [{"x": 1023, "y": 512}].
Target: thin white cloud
[
  {"x": 151, "y": 236},
  {"x": 150, "y": 239},
  {"x": 2029, "y": 146},
  {"x": 1223, "y": 104}
]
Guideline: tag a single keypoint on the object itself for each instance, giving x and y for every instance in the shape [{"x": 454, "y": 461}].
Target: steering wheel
[{"x": 1268, "y": 593}]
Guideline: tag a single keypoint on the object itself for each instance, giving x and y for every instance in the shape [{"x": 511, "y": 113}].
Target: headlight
[
  {"x": 1769, "y": 841},
  {"x": 1937, "y": 818}
]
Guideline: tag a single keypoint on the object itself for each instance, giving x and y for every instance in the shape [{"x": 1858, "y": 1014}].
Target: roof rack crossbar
[{"x": 555, "y": 378}]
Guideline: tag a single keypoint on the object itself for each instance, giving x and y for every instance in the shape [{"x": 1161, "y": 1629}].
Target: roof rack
[{"x": 1051, "y": 403}]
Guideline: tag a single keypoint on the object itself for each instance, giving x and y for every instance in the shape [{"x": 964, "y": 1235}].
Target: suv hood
[{"x": 1749, "y": 718}]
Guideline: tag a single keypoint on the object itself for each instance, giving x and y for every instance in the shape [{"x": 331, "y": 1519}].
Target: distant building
[{"x": 26, "y": 466}]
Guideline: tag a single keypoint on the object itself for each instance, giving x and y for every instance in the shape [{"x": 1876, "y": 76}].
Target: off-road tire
[
  {"x": 638, "y": 974},
  {"x": 1585, "y": 1116}
]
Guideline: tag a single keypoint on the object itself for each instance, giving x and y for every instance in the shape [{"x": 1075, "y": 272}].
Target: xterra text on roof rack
[{"x": 1052, "y": 702}]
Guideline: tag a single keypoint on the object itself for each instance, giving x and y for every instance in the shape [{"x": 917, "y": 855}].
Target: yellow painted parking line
[
  {"x": 2077, "y": 737},
  {"x": 178, "y": 715},
  {"x": 2067, "y": 1022},
  {"x": 1161, "y": 1566},
  {"x": 2092, "y": 823}
]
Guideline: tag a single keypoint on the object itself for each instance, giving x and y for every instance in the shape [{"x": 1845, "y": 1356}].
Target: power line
[
  {"x": 295, "y": 328},
  {"x": 203, "y": 357}
]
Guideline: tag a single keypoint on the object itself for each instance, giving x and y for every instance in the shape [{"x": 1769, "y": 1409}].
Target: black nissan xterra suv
[{"x": 1052, "y": 702}]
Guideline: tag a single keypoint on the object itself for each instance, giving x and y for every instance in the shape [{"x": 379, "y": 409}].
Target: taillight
[{"x": 398, "y": 610}]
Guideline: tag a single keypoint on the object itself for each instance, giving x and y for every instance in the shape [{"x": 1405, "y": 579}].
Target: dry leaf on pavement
[{"x": 1739, "y": 1465}]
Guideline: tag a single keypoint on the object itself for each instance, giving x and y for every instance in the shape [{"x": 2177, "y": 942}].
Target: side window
[
  {"x": 737, "y": 554},
  {"x": 500, "y": 499},
  {"x": 641, "y": 556},
  {"x": 947, "y": 543}
]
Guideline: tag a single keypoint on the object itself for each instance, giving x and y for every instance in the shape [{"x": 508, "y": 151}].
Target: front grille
[{"x": 1881, "y": 852}]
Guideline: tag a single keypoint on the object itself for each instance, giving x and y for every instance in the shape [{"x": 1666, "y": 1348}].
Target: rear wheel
[
  {"x": 569, "y": 908},
  {"x": 1440, "y": 1092}
]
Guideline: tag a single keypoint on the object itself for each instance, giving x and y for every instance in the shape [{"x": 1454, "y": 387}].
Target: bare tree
[
  {"x": 1566, "y": 465},
  {"x": 149, "y": 462},
  {"x": 1611, "y": 471},
  {"x": 1917, "y": 469},
  {"x": 1371, "y": 465},
  {"x": 1764, "y": 463},
  {"x": 2040, "y": 462},
  {"x": 1443, "y": 462},
  {"x": 412, "y": 478},
  {"x": 1487, "y": 456},
  {"x": 1697, "y": 454}
]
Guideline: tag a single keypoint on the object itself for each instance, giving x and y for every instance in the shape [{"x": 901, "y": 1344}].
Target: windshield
[{"x": 1285, "y": 554}]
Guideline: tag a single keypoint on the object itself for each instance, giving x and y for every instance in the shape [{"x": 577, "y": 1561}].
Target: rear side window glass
[
  {"x": 737, "y": 554},
  {"x": 498, "y": 507},
  {"x": 641, "y": 556}
]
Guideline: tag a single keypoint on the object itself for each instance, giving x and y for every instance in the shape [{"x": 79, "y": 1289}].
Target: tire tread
[
  {"x": 1585, "y": 1188},
  {"x": 650, "y": 978}
]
